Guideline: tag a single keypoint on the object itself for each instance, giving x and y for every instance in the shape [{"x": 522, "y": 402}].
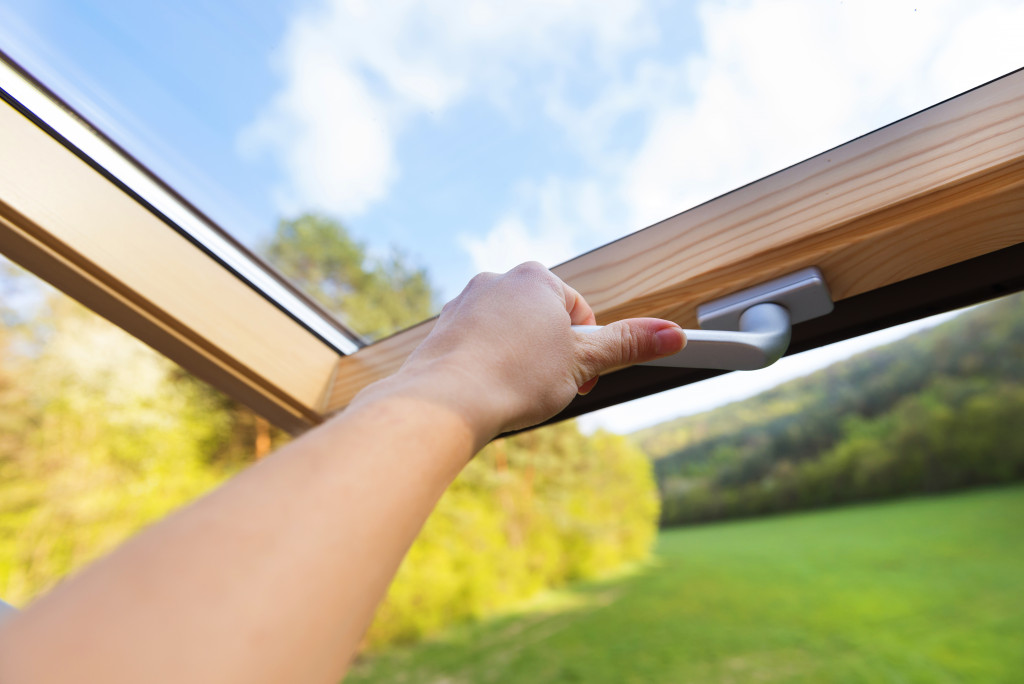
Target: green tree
[
  {"x": 108, "y": 437},
  {"x": 531, "y": 511},
  {"x": 375, "y": 297}
]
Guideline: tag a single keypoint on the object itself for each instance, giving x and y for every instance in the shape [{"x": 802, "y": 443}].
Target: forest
[
  {"x": 940, "y": 410},
  {"x": 100, "y": 436}
]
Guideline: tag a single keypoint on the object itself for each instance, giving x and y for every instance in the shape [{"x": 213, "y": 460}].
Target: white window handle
[{"x": 749, "y": 329}]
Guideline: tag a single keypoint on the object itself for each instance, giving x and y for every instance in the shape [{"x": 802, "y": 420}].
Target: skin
[{"x": 276, "y": 575}]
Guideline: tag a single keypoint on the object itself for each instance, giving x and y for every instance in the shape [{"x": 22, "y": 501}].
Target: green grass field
[{"x": 921, "y": 590}]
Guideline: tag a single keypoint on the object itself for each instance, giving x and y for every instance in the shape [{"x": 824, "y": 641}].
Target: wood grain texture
[
  {"x": 67, "y": 223},
  {"x": 934, "y": 189}
]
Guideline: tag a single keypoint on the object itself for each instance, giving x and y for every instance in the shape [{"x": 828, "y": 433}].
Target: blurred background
[{"x": 852, "y": 514}]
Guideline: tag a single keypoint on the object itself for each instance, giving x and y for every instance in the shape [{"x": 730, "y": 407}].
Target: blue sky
[{"x": 477, "y": 135}]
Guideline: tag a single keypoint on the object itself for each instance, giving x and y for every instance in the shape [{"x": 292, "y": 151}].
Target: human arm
[{"x": 275, "y": 576}]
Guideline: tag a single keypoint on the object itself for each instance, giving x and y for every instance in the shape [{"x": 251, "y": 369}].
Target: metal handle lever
[
  {"x": 749, "y": 329},
  {"x": 761, "y": 341}
]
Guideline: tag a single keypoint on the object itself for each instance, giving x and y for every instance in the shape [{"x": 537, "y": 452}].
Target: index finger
[{"x": 580, "y": 312}]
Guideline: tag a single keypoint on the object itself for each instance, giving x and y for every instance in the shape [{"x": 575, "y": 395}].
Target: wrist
[{"x": 442, "y": 390}]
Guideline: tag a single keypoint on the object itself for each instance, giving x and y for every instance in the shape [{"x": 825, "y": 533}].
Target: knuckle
[
  {"x": 593, "y": 357},
  {"x": 631, "y": 345},
  {"x": 532, "y": 266},
  {"x": 537, "y": 273},
  {"x": 533, "y": 270},
  {"x": 481, "y": 278},
  {"x": 587, "y": 355}
]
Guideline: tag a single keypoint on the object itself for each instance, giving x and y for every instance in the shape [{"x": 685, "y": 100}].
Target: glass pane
[{"x": 452, "y": 137}]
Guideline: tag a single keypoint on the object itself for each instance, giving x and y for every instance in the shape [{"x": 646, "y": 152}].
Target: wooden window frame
[
  {"x": 83, "y": 215},
  {"x": 920, "y": 216}
]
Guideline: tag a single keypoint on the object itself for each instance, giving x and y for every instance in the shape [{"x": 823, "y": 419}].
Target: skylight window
[
  {"x": 378, "y": 154},
  {"x": 474, "y": 137}
]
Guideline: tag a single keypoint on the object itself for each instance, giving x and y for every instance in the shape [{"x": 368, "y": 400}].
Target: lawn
[{"x": 920, "y": 590}]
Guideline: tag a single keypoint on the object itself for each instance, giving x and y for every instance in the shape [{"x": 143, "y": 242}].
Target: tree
[
  {"x": 108, "y": 436},
  {"x": 375, "y": 297},
  {"x": 531, "y": 511}
]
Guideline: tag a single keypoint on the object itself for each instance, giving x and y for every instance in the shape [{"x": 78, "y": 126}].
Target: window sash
[{"x": 940, "y": 188}]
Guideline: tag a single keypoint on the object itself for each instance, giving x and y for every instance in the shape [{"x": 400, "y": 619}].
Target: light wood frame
[{"x": 76, "y": 225}]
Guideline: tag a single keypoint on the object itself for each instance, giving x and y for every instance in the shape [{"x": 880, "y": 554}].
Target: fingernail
[
  {"x": 669, "y": 341},
  {"x": 586, "y": 387}
]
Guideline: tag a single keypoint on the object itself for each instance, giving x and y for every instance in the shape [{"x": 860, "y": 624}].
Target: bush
[{"x": 531, "y": 512}]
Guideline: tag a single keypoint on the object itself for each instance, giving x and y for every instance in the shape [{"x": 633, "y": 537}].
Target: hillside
[{"x": 933, "y": 411}]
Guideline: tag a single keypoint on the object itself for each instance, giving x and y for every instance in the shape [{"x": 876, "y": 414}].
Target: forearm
[{"x": 272, "y": 578}]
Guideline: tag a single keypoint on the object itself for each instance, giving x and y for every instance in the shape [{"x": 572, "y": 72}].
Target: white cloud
[
  {"x": 332, "y": 136},
  {"x": 776, "y": 81},
  {"x": 355, "y": 73},
  {"x": 510, "y": 243},
  {"x": 546, "y": 225}
]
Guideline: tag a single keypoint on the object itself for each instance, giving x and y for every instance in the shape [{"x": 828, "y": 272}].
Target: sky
[{"x": 476, "y": 135}]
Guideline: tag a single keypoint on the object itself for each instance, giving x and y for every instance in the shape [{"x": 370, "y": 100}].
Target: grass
[{"x": 920, "y": 590}]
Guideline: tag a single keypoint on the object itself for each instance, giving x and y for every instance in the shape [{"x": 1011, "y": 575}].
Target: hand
[{"x": 504, "y": 355}]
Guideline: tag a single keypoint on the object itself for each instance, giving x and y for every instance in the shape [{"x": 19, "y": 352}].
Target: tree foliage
[
  {"x": 100, "y": 436},
  {"x": 375, "y": 297},
  {"x": 532, "y": 511}
]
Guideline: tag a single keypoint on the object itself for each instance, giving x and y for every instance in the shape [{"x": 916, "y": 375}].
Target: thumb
[{"x": 627, "y": 342}]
